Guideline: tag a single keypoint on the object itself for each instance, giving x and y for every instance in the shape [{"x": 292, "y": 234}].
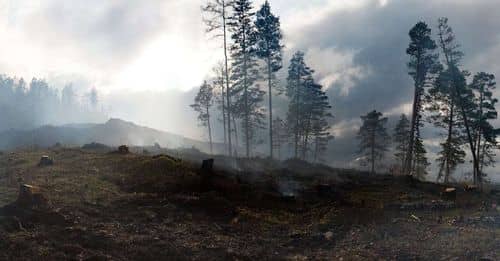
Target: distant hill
[{"x": 114, "y": 132}]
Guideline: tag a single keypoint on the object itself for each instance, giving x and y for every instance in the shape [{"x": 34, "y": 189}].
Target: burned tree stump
[
  {"x": 449, "y": 194},
  {"x": 207, "y": 166},
  {"x": 45, "y": 161},
  {"x": 123, "y": 149},
  {"x": 30, "y": 196}
]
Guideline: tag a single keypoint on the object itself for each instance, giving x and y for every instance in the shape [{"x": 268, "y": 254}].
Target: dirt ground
[{"x": 108, "y": 206}]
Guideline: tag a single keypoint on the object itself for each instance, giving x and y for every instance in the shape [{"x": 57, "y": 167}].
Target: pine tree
[
  {"x": 443, "y": 107},
  {"x": 248, "y": 95},
  {"x": 202, "y": 104},
  {"x": 422, "y": 63},
  {"x": 318, "y": 121},
  {"x": 269, "y": 48},
  {"x": 299, "y": 75},
  {"x": 462, "y": 93},
  {"x": 420, "y": 162},
  {"x": 373, "y": 137},
  {"x": 485, "y": 134},
  {"x": 217, "y": 14},
  {"x": 401, "y": 139}
]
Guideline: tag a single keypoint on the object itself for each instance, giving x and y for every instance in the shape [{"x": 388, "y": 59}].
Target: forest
[
  {"x": 459, "y": 104},
  {"x": 27, "y": 105}
]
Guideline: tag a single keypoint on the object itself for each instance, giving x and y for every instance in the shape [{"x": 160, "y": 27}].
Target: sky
[{"x": 157, "y": 51}]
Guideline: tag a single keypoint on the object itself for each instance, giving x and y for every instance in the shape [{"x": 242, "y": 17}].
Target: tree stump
[
  {"x": 45, "y": 161},
  {"x": 449, "y": 194},
  {"x": 30, "y": 196},
  {"x": 123, "y": 149}
]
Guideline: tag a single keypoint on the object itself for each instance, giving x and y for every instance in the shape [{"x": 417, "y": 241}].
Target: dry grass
[{"x": 136, "y": 207}]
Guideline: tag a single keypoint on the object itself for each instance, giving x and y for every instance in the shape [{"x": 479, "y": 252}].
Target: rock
[
  {"x": 45, "y": 161},
  {"x": 328, "y": 235}
]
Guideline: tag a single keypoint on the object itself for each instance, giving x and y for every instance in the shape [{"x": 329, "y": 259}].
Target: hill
[{"x": 114, "y": 132}]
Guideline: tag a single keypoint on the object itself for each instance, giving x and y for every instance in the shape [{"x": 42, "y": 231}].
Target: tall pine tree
[
  {"x": 299, "y": 76},
  {"x": 269, "y": 48},
  {"x": 462, "y": 93},
  {"x": 423, "y": 61},
  {"x": 245, "y": 73}
]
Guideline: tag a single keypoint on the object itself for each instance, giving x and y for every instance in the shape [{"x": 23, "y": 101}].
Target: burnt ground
[{"x": 107, "y": 206}]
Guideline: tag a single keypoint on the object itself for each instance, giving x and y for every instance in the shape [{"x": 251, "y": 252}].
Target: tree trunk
[
  {"x": 224, "y": 115},
  {"x": 450, "y": 134},
  {"x": 479, "y": 131},
  {"x": 373, "y": 151},
  {"x": 209, "y": 131},
  {"x": 270, "y": 107},
  {"x": 297, "y": 90},
  {"x": 228, "y": 99},
  {"x": 415, "y": 114}
]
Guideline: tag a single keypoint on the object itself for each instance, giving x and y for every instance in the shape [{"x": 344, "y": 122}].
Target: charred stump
[
  {"x": 449, "y": 194},
  {"x": 45, "y": 161},
  {"x": 123, "y": 149},
  {"x": 31, "y": 196}
]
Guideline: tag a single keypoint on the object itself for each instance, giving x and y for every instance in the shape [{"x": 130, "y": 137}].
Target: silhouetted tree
[
  {"x": 423, "y": 61},
  {"x": 443, "y": 109},
  {"x": 245, "y": 73},
  {"x": 269, "y": 48},
  {"x": 217, "y": 16},
  {"x": 299, "y": 76},
  {"x": 401, "y": 139},
  {"x": 485, "y": 134},
  {"x": 202, "y": 104},
  {"x": 462, "y": 93},
  {"x": 420, "y": 162},
  {"x": 373, "y": 137}
]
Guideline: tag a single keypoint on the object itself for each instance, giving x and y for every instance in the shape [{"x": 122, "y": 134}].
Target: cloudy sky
[{"x": 146, "y": 57}]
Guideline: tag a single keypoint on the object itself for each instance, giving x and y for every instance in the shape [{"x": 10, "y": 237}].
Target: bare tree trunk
[
  {"x": 373, "y": 151},
  {"x": 270, "y": 107},
  {"x": 297, "y": 90},
  {"x": 450, "y": 134},
  {"x": 209, "y": 131},
  {"x": 228, "y": 97},
  {"x": 413, "y": 128},
  {"x": 224, "y": 114}
]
